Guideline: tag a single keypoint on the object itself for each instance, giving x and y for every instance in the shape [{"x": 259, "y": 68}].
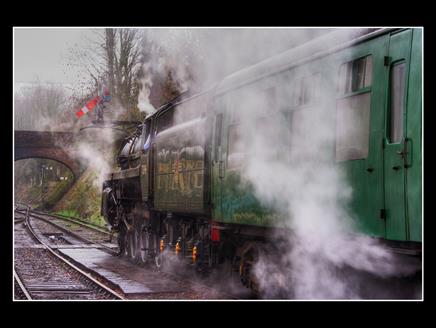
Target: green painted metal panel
[
  {"x": 143, "y": 174},
  {"x": 395, "y": 197},
  {"x": 414, "y": 133},
  {"x": 365, "y": 176},
  {"x": 376, "y": 186},
  {"x": 179, "y": 170}
]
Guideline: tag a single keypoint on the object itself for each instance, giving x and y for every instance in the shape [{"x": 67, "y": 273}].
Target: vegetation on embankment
[
  {"x": 57, "y": 191},
  {"x": 83, "y": 200},
  {"x": 41, "y": 183}
]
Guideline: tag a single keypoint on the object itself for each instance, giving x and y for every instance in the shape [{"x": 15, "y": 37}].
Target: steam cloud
[
  {"x": 144, "y": 103},
  {"x": 301, "y": 180},
  {"x": 94, "y": 156}
]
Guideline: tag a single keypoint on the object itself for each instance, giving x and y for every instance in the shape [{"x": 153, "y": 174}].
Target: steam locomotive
[{"x": 179, "y": 187}]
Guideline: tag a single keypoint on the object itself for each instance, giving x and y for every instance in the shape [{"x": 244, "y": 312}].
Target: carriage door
[{"x": 396, "y": 142}]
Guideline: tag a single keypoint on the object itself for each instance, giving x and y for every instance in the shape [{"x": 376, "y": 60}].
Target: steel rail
[
  {"x": 75, "y": 235},
  {"x": 75, "y": 220},
  {"x": 192, "y": 282},
  {"x": 71, "y": 265},
  {"x": 22, "y": 287}
]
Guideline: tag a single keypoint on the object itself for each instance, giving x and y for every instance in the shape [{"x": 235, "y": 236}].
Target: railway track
[
  {"x": 67, "y": 280},
  {"x": 20, "y": 289},
  {"x": 79, "y": 222},
  {"x": 190, "y": 288},
  {"x": 84, "y": 231},
  {"x": 89, "y": 240}
]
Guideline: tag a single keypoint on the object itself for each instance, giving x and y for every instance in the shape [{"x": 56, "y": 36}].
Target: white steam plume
[
  {"x": 144, "y": 103},
  {"x": 300, "y": 180},
  {"x": 304, "y": 183},
  {"x": 94, "y": 153}
]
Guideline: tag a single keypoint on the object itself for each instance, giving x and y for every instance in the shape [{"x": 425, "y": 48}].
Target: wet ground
[
  {"x": 49, "y": 280},
  {"x": 175, "y": 282},
  {"x": 142, "y": 282}
]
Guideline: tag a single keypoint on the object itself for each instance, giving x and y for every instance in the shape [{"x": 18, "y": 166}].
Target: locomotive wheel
[
  {"x": 159, "y": 256},
  {"x": 250, "y": 255},
  {"x": 159, "y": 260},
  {"x": 133, "y": 244},
  {"x": 248, "y": 259},
  {"x": 122, "y": 241},
  {"x": 145, "y": 244}
]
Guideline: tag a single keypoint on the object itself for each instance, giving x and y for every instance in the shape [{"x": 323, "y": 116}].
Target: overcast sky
[{"x": 38, "y": 52}]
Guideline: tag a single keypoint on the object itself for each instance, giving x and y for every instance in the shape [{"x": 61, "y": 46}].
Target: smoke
[
  {"x": 301, "y": 180},
  {"x": 201, "y": 57},
  {"x": 288, "y": 157},
  {"x": 175, "y": 50},
  {"x": 146, "y": 82},
  {"x": 196, "y": 59},
  {"x": 94, "y": 151},
  {"x": 167, "y": 57}
]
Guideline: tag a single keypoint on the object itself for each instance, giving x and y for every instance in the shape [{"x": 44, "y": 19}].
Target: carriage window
[
  {"x": 359, "y": 74},
  {"x": 352, "y": 127},
  {"x": 355, "y": 75},
  {"x": 397, "y": 102},
  {"x": 368, "y": 71}
]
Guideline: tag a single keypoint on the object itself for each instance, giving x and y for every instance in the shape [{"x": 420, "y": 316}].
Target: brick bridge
[{"x": 44, "y": 144}]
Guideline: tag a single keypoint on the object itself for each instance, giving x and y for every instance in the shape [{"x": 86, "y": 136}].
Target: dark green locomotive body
[{"x": 179, "y": 169}]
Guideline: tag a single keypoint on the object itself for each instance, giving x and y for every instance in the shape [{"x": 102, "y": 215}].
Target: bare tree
[
  {"x": 113, "y": 58},
  {"x": 39, "y": 105}
]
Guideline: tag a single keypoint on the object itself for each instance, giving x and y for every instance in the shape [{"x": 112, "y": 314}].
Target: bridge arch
[
  {"x": 48, "y": 145},
  {"x": 55, "y": 157}
]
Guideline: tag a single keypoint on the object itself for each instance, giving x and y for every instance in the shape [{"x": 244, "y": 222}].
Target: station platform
[{"x": 131, "y": 279}]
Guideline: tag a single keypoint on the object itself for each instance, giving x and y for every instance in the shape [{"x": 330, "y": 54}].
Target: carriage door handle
[{"x": 405, "y": 152}]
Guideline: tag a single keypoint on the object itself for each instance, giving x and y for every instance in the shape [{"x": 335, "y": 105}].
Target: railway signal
[{"x": 96, "y": 102}]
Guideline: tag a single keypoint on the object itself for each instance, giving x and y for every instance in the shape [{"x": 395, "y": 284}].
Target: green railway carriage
[
  {"x": 376, "y": 87},
  {"x": 181, "y": 185}
]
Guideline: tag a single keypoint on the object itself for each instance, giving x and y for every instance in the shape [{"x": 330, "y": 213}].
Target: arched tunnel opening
[{"x": 41, "y": 182}]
